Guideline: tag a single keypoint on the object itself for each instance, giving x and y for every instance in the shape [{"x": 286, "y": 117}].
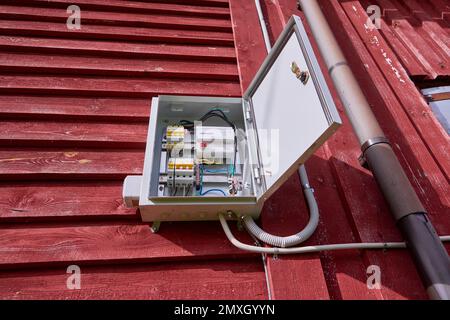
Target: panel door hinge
[
  {"x": 257, "y": 174},
  {"x": 248, "y": 114}
]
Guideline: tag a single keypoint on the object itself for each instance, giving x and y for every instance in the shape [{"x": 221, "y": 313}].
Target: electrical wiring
[
  {"x": 216, "y": 112},
  {"x": 187, "y": 191},
  {"x": 216, "y": 170},
  {"x": 229, "y": 171},
  {"x": 200, "y": 192}
]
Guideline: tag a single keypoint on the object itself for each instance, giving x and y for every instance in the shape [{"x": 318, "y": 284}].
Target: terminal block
[{"x": 175, "y": 136}]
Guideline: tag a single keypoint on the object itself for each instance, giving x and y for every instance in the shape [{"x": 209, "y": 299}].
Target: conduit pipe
[{"x": 427, "y": 250}]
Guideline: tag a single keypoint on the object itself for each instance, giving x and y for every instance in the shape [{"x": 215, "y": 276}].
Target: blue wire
[
  {"x": 219, "y": 170},
  {"x": 216, "y": 171},
  {"x": 211, "y": 190}
]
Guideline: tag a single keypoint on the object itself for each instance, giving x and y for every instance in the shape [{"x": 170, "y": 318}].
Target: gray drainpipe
[{"x": 428, "y": 252}]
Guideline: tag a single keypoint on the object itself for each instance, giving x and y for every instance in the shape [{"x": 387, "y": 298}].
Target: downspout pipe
[
  {"x": 428, "y": 252},
  {"x": 262, "y": 23}
]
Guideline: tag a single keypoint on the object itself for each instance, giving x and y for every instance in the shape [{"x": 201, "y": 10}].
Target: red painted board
[
  {"x": 116, "y": 18},
  {"x": 69, "y": 134},
  {"x": 52, "y": 29},
  {"x": 107, "y": 243},
  {"x": 41, "y": 201},
  {"x": 57, "y": 164},
  {"x": 113, "y": 86},
  {"x": 218, "y": 280},
  {"x": 134, "y": 68},
  {"x": 132, "y": 6},
  {"x": 74, "y": 108},
  {"x": 117, "y": 48}
]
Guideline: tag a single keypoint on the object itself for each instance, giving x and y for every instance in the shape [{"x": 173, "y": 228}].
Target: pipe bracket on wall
[{"x": 366, "y": 145}]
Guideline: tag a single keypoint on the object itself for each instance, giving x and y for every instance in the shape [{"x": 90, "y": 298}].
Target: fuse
[{"x": 180, "y": 172}]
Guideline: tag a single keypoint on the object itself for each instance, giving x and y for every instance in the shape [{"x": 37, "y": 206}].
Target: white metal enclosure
[{"x": 284, "y": 116}]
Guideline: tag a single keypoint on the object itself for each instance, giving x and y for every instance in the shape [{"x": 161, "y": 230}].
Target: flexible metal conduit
[{"x": 298, "y": 238}]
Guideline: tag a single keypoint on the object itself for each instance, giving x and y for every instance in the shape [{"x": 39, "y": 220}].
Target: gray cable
[{"x": 312, "y": 249}]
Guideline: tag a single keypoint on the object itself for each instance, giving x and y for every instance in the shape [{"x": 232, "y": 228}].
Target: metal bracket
[
  {"x": 240, "y": 225},
  {"x": 155, "y": 226},
  {"x": 257, "y": 174},
  {"x": 366, "y": 145}
]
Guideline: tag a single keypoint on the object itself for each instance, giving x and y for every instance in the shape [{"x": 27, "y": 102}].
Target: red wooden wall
[{"x": 74, "y": 108}]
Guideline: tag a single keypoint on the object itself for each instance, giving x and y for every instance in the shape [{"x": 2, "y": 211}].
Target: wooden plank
[
  {"x": 74, "y": 108},
  {"x": 413, "y": 103},
  {"x": 109, "y": 86},
  {"x": 419, "y": 48},
  {"x": 345, "y": 272},
  {"x": 63, "y": 201},
  {"x": 290, "y": 277},
  {"x": 108, "y": 243},
  {"x": 72, "y": 134},
  {"x": 88, "y": 65},
  {"x": 117, "y": 49},
  {"x": 218, "y": 3},
  {"x": 409, "y": 61},
  {"x": 51, "y": 29},
  {"x": 219, "y": 280},
  {"x": 131, "y": 6},
  {"x": 116, "y": 18},
  {"x": 26, "y": 164},
  {"x": 431, "y": 31},
  {"x": 373, "y": 222}
]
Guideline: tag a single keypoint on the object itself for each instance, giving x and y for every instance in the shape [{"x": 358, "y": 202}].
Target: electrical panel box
[{"x": 210, "y": 155}]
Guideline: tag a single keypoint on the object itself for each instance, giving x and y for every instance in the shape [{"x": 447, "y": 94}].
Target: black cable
[{"x": 222, "y": 116}]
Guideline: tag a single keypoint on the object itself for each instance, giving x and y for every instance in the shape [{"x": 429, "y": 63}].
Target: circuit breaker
[{"x": 210, "y": 155}]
